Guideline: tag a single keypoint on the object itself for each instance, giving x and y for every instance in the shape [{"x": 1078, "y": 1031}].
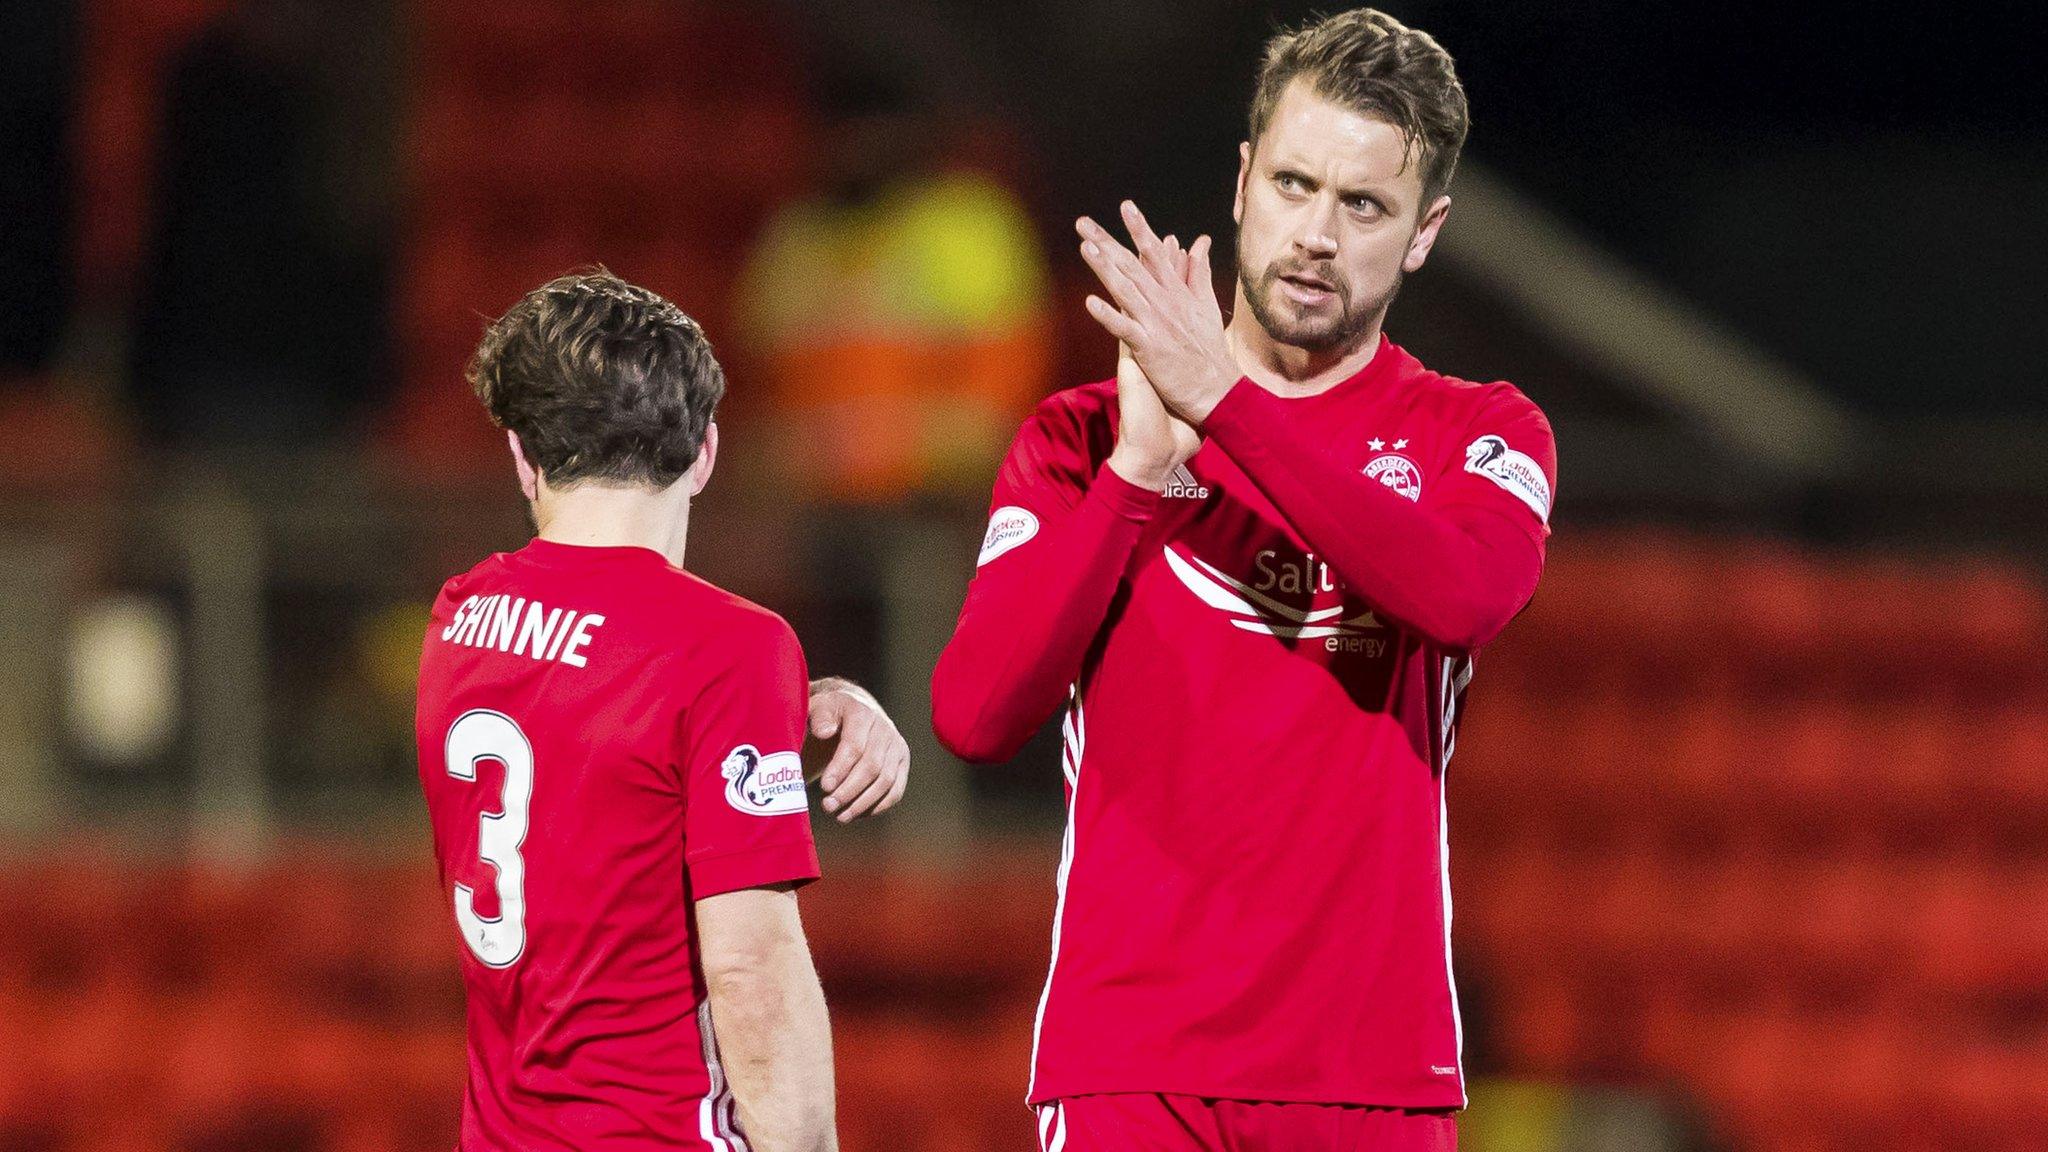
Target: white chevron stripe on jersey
[
  {"x": 1076, "y": 732},
  {"x": 1073, "y": 738},
  {"x": 1457, "y": 676}
]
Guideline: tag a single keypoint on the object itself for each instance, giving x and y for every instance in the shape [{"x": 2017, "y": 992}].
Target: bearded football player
[{"x": 1256, "y": 569}]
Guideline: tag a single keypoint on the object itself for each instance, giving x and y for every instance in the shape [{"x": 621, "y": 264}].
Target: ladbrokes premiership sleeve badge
[{"x": 1518, "y": 472}]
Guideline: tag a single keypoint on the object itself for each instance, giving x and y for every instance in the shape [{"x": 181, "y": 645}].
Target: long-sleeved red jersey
[{"x": 1263, "y": 668}]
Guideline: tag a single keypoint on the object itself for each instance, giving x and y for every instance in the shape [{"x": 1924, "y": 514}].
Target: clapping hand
[
  {"x": 1165, "y": 311},
  {"x": 1151, "y": 442}
]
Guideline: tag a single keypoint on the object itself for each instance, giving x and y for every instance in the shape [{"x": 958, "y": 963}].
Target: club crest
[{"x": 1397, "y": 472}]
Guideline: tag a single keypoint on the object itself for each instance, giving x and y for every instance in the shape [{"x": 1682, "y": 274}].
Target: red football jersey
[
  {"x": 1264, "y": 666},
  {"x": 604, "y": 739}
]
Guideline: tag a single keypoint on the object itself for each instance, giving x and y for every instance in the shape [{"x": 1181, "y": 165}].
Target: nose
[{"x": 1317, "y": 239}]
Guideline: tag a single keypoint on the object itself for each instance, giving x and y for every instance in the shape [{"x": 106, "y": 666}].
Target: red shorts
[{"x": 1141, "y": 1122}]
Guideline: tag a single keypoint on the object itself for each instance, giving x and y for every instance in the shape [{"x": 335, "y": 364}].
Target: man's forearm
[
  {"x": 776, "y": 1044},
  {"x": 1453, "y": 583},
  {"x": 1027, "y": 626},
  {"x": 768, "y": 1016}
]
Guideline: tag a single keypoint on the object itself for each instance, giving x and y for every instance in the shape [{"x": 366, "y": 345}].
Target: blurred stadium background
[{"x": 1751, "y": 812}]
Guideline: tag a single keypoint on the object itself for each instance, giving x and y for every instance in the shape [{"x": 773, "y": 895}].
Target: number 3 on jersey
[{"x": 481, "y": 734}]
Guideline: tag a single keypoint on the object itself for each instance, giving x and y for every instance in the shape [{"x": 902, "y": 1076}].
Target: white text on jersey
[
  {"x": 523, "y": 627},
  {"x": 1306, "y": 574}
]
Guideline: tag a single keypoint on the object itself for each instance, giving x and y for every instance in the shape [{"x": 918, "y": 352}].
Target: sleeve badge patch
[
  {"x": 1007, "y": 528},
  {"x": 1490, "y": 456},
  {"x": 764, "y": 785}
]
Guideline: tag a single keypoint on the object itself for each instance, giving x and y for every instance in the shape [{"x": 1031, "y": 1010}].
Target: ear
[
  {"x": 1425, "y": 235},
  {"x": 529, "y": 477},
  {"x": 707, "y": 459},
  {"x": 1244, "y": 172}
]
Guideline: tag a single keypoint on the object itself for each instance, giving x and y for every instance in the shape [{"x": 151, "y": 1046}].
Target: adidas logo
[{"x": 1184, "y": 484}]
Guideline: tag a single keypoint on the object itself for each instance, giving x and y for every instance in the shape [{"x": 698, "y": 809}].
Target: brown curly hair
[{"x": 601, "y": 380}]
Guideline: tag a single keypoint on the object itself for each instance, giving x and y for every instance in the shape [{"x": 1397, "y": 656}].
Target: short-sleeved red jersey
[{"x": 603, "y": 739}]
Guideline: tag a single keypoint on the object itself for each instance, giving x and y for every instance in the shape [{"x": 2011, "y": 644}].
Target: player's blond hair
[{"x": 1373, "y": 64}]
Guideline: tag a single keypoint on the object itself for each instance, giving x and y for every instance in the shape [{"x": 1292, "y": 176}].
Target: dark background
[{"x": 1747, "y": 811}]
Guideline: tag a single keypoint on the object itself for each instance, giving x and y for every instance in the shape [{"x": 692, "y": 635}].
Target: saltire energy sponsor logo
[
  {"x": 1251, "y": 610},
  {"x": 770, "y": 785},
  {"x": 1008, "y": 527},
  {"x": 1490, "y": 456}
]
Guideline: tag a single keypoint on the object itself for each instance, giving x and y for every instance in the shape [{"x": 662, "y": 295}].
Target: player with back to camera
[
  {"x": 1256, "y": 566},
  {"x": 609, "y": 751}
]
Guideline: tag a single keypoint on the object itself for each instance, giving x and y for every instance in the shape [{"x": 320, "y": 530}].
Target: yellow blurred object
[
  {"x": 388, "y": 644},
  {"x": 904, "y": 338},
  {"x": 1513, "y": 1116}
]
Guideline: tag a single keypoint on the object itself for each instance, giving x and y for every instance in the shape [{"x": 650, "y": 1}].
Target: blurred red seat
[
  {"x": 2011, "y": 767},
  {"x": 1833, "y": 908},
  {"x": 1702, "y": 780},
  {"x": 1513, "y": 909},
  {"x": 1719, "y": 917},
  {"x": 1979, "y": 929},
  {"x": 213, "y": 1054},
  {"x": 1623, "y": 919},
  {"x": 1538, "y": 1026}
]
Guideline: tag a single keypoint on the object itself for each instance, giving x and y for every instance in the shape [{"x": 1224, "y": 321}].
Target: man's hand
[
  {"x": 1151, "y": 442},
  {"x": 1165, "y": 310},
  {"x": 871, "y": 766}
]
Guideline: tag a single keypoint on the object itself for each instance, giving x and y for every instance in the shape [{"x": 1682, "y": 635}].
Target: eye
[
  {"x": 1289, "y": 183},
  {"x": 1365, "y": 206}
]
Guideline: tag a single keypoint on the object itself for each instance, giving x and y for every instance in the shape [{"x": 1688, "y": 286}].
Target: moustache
[{"x": 1311, "y": 270}]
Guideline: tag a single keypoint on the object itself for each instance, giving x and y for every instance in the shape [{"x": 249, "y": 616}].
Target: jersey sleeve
[
  {"x": 1062, "y": 526},
  {"x": 1507, "y": 465},
  {"x": 746, "y": 819},
  {"x": 1045, "y": 474},
  {"x": 1453, "y": 571}
]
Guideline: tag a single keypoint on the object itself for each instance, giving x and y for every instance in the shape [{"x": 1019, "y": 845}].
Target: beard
[{"x": 1340, "y": 331}]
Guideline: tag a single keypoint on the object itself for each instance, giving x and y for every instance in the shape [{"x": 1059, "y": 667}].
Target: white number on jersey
[{"x": 481, "y": 734}]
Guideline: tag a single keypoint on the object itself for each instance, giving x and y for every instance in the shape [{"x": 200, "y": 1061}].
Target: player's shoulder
[
  {"x": 688, "y": 631},
  {"x": 730, "y": 635},
  {"x": 1068, "y": 431},
  {"x": 1461, "y": 401},
  {"x": 1079, "y": 407},
  {"x": 458, "y": 586},
  {"x": 719, "y": 614}
]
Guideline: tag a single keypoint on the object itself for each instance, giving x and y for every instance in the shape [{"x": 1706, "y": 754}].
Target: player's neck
[
  {"x": 1287, "y": 370},
  {"x": 601, "y": 516}
]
